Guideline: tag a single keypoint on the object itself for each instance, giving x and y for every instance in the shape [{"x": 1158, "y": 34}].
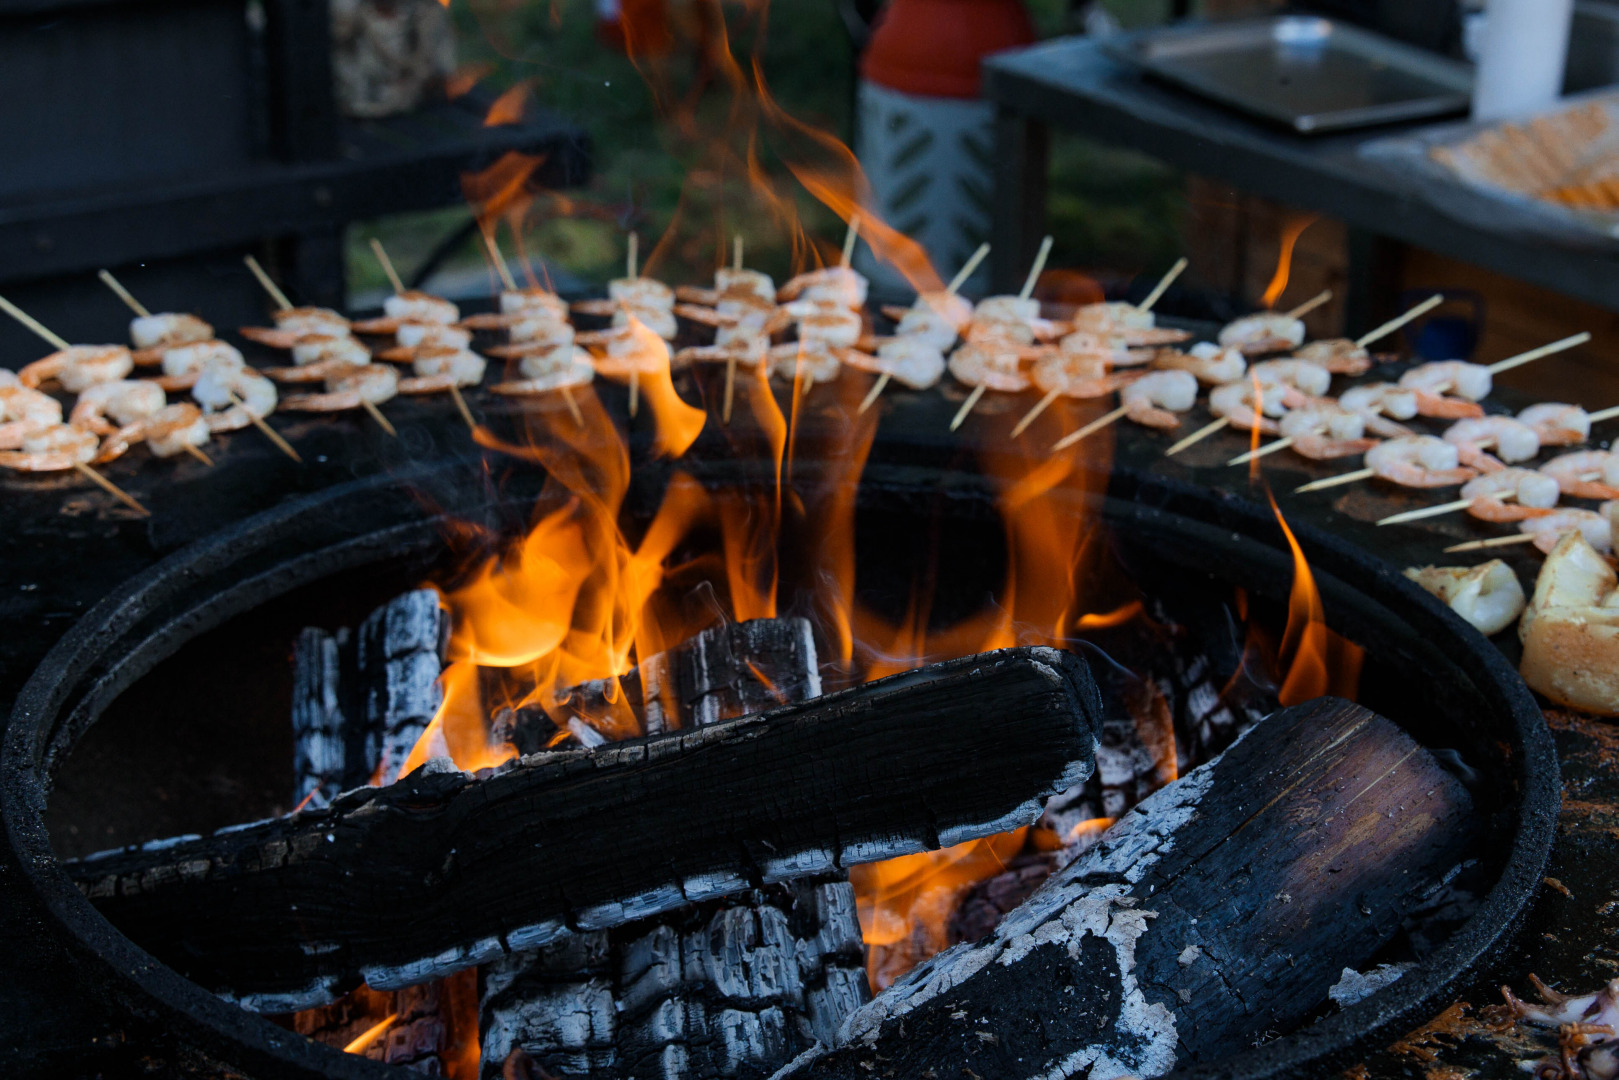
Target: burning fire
[
  {"x": 1315, "y": 660},
  {"x": 1284, "y": 260}
]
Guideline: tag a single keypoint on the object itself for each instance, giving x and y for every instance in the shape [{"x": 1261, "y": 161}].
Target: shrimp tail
[{"x": 1445, "y": 408}]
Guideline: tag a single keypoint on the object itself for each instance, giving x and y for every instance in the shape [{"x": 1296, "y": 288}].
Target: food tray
[{"x": 1309, "y": 73}]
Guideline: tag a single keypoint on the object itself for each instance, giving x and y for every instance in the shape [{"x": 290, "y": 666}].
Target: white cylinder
[{"x": 1520, "y": 64}]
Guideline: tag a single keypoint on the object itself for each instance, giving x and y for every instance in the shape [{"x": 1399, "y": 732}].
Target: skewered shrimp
[
  {"x": 414, "y": 306},
  {"x": 1512, "y": 441},
  {"x": 1381, "y": 405},
  {"x": 166, "y": 432},
  {"x": 755, "y": 284},
  {"x": 747, "y": 351},
  {"x": 1468, "y": 383},
  {"x": 998, "y": 332},
  {"x": 1208, "y": 362},
  {"x": 8, "y": 377},
  {"x": 60, "y": 446},
  {"x": 1341, "y": 356},
  {"x": 125, "y": 401},
  {"x": 346, "y": 389},
  {"x": 544, "y": 373},
  {"x": 533, "y": 301},
  {"x": 841, "y": 285},
  {"x": 911, "y": 361},
  {"x": 153, "y": 333},
  {"x": 1136, "y": 327},
  {"x": 1263, "y": 332},
  {"x": 182, "y": 365},
  {"x": 1155, "y": 398},
  {"x": 320, "y": 356},
  {"x": 937, "y": 318},
  {"x": 1488, "y": 596},
  {"x": 660, "y": 321},
  {"x": 1301, "y": 375},
  {"x": 1533, "y": 494},
  {"x": 411, "y": 334},
  {"x": 1323, "y": 430},
  {"x": 1419, "y": 461},
  {"x": 78, "y": 367},
  {"x": 805, "y": 359},
  {"x": 1079, "y": 375},
  {"x": 632, "y": 347},
  {"x": 292, "y": 324},
  {"x": 831, "y": 327},
  {"x": 1112, "y": 348},
  {"x": 214, "y": 390},
  {"x": 1236, "y": 403},
  {"x": 988, "y": 366},
  {"x": 1557, "y": 425},
  {"x": 25, "y": 413},
  {"x": 539, "y": 334},
  {"x": 438, "y": 369},
  {"x": 1597, "y": 528},
  {"x": 1585, "y": 474},
  {"x": 641, "y": 292}
]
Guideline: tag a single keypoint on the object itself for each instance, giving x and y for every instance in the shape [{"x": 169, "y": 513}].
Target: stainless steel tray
[{"x": 1310, "y": 73}]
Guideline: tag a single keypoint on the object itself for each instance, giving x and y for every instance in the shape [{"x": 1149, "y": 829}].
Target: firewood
[
  {"x": 443, "y": 870},
  {"x": 1220, "y": 909}
]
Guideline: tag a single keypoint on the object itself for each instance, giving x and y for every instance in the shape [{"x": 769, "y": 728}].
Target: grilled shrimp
[
  {"x": 988, "y": 366},
  {"x": 1236, "y": 402},
  {"x": 167, "y": 329},
  {"x": 79, "y": 367},
  {"x": 1511, "y": 440},
  {"x": 414, "y": 306},
  {"x": 1464, "y": 383},
  {"x": 833, "y": 328},
  {"x": 166, "y": 432},
  {"x": 1078, "y": 375},
  {"x": 641, "y": 292},
  {"x": 631, "y": 347},
  {"x": 1155, "y": 398},
  {"x": 1208, "y": 362},
  {"x": 295, "y": 323},
  {"x": 60, "y": 446},
  {"x": 534, "y": 301},
  {"x": 908, "y": 360},
  {"x": 440, "y": 368},
  {"x": 25, "y": 413},
  {"x": 1301, "y": 375},
  {"x": 1488, "y": 596},
  {"x": 411, "y": 334},
  {"x": 182, "y": 364},
  {"x": 1394, "y": 402},
  {"x": 1341, "y": 356},
  {"x": 1585, "y": 474},
  {"x": 214, "y": 389},
  {"x": 320, "y": 356},
  {"x": 544, "y": 373},
  {"x": 998, "y": 332},
  {"x": 841, "y": 285},
  {"x": 535, "y": 334},
  {"x": 1009, "y": 308},
  {"x": 1112, "y": 347},
  {"x": 1264, "y": 332},
  {"x": 125, "y": 402},
  {"x": 807, "y": 359},
  {"x": 1419, "y": 461},
  {"x": 937, "y": 327},
  {"x": 1549, "y": 529},
  {"x": 8, "y": 378},
  {"x": 660, "y": 321},
  {"x": 1558, "y": 425},
  {"x": 747, "y": 283},
  {"x": 1127, "y": 321},
  {"x": 346, "y": 389},
  {"x": 1533, "y": 494},
  {"x": 1323, "y": 431}
]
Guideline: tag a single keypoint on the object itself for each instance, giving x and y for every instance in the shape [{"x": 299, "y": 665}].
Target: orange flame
[
  {"x": 363, "y": 1041},
  {"x": 1284, "y": 259},
  {"x": 509, "y": 107},
  {"x": 1314, "y": 659}
]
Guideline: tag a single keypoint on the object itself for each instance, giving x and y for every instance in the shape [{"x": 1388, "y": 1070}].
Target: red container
[{"x": 933, "y": 47}]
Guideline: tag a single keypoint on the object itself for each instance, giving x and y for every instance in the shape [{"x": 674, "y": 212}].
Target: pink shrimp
[
  {"x": 126, "y": 401},
  {"x": 1585, "y": 474},
  {"x": 1548, "y": 530},
  {"x": 58, "y": 447},
  {"x": 1556, "y": 424},
  {"x": 348, "y": 389},
  {"x": 990, "y": 367},
  {"x": 1340, "y": 356},
  {"x": 25, "y": 413},
  {"x": 1419, "y": 461},
  {"x": 1324, "y": 431},
  {"x": 166, "y": 432},
  {"x": 1082, "y": 376},
  {"x": 1534, "y": 495},
  {"x": 79, "y": 367},
  {"x": 1511, "y": 440}
]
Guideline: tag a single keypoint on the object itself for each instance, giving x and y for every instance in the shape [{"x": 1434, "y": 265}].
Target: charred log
[
  {"x": 443, "y": 870},
  {"x": 319, "y": 726},
  {"x": 1221, "y": 908},
  {"x": 733, "y": 987}
]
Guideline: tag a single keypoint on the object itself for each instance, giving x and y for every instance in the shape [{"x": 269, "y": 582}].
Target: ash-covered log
[
  {"x": 444, "y": 870},
  {"x": 734, "y": 987},
  {"x": 1221, "y": 908}
]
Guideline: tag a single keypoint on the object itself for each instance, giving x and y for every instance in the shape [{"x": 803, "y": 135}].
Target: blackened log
[
  {"x": 319, "y": 727},
  {"x": 1220, "y": 909},
  {"x": 399, "y": 657},
  {"x": 734, "y": 987},
  {"x": 443, "y": 870}
]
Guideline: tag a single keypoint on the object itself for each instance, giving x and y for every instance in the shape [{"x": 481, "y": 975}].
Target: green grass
[{"x": 673, "y": 169}]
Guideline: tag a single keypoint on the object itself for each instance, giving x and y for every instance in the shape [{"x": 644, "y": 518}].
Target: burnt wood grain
[
  {"x": 1215, "y": 915},
  {"x": 444, "y": 870}
]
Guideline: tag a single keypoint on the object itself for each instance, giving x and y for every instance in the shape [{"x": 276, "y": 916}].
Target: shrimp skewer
[
  {"x": 364, "y": 387},
  {"x": 933, "y": 321},
  {"x": 126, "y": 401},
  {"x": 1076, "y": 375},
  {"x": 1485, "y": 497},
  {"x": 151, "y": 334},
  {"x": 1270, "y": 331},
  {"x": 1321, "y": 431},
  {"x": 985, "y": 368},
  {"x": 989, "y": 362},
  {"x": 1419, "y": 461},
  {"x": 1512, "y": 440},
  {"x": 25, "y": 413},
  {"x": 1212, "y": 364},
  {"x": 1151, "y": 400},
  {"x": 173, "y": 429},
  {"x": 1341, "y": 356},
  {"x": 61, "y": 447}
]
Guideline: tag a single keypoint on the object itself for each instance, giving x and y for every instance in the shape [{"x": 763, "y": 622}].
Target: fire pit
[{"x": 1442, "y": 683}]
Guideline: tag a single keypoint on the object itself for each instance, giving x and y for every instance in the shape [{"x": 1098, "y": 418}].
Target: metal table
[{"x": 1072, "y": 84}]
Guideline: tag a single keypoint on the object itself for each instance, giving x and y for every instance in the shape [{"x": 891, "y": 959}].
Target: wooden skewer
[
  {"x": 196, "y": 452},
  {"x": 1334, "y": 481},
  {"x": 270, "y": 287},
  {"x": 1039, "y": 407},
  {"x": 573, "y": 406},
  {"x": 1094, "y": 426},
  {"x": 1034, "y": 271},
  {"x": 809, "y": 384},
  {"x": 635, "y": 390},
  {"x": 967, "y": 406},
  {"x": 736, "y": 252},
  {"x": 32, "y": 323},
  {"x": 730, "y": 388},
  {"x": 387, "y": 266},
  {"x": 1269, "y": 448},
  {"x": 1494, "y": 542},
  {"x": 376, "y": 414},
  {"x": 1164, "y": 283},
  {"x": 1197, "y": 436},
  {"x": 501, "y": 268},
  {"x": 1399, "y": 320},
  {"x": 632, "y": 256},
  {"x": 1603, "y": 414},
  {"x": 461, "y": 404},
  {"x": 1311, "y": 304},
  {"x": 1535, "y": 354},
  {"x": 123, "y": 294},
  {"x": 967, "y": 269},
  {"x": 849, "y": 239},
  {"x": 113, "y": 489},
  {"x": 872, "y": 394},
  {"x": 269, "y": 432}
]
